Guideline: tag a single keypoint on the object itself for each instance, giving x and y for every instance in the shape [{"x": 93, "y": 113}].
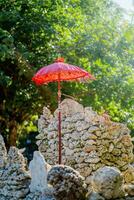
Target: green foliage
[{"x": 91, "y": 34}]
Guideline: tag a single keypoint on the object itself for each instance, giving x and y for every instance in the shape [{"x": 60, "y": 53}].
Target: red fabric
[{"x": 59, "y": 71}]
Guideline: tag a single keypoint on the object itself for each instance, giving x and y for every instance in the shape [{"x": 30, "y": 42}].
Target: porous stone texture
[
  {"x": 108, "y": 182},
  {"x": 129, "y": 189},
  {"x": 14, "y": 179},
  {"x": 46, "y": 195},
  {"x": 68, "y": 184},
  {"x": 3, "y": 152},
  {"x": 95, "y": 196},
  {"x": 128, "y": 174},
  {"x": 38, "y": 171},
  {"x": 90, "y": 141}
]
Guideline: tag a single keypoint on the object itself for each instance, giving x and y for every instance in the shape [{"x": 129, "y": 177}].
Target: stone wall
[{"x": 90, "y": 141}]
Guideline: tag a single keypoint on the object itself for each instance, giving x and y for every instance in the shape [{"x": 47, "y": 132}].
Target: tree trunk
[{"x": 12, "y": 133}]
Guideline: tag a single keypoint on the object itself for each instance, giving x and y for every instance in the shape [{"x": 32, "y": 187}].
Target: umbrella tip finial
[{"x": 60, "y": 59}]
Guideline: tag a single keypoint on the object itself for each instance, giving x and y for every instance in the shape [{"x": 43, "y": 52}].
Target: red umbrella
[{"x": 60, "y": 71}]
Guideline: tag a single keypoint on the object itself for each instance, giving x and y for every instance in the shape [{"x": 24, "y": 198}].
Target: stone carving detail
[
  {"x": 68, "y": 184},
  {"x": 38, "y": 171},
  {"x": 89, "y": 141}
]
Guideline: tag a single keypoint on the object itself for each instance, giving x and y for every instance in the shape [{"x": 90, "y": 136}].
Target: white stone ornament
[{"x": 38, "y": 171}]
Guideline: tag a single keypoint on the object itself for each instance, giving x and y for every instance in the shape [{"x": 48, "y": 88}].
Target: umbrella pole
[{"x": 59, "y": 121}]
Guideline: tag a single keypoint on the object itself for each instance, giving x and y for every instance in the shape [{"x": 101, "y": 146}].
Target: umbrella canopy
[{"x": 60, "y": 71}]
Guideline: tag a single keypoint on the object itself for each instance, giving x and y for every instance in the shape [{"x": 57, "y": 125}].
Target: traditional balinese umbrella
[{"x": 60, "y": 71}]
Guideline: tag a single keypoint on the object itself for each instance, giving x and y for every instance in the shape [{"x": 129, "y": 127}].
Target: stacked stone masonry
[{"x": 90, "y": 141}]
